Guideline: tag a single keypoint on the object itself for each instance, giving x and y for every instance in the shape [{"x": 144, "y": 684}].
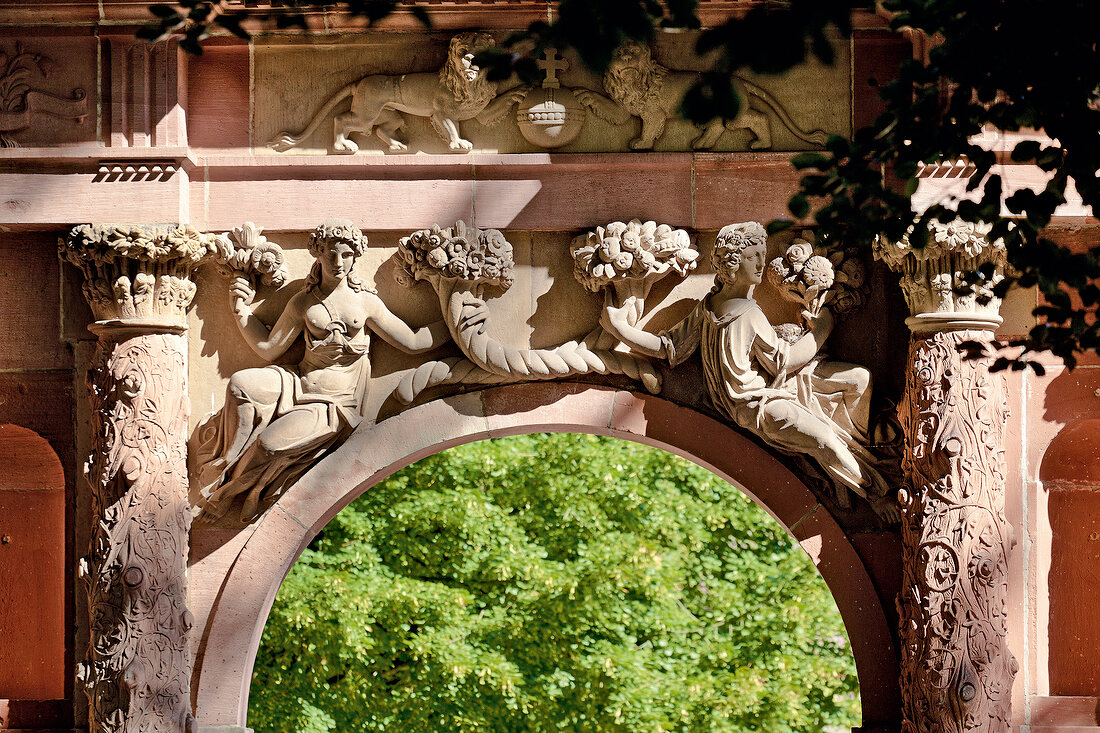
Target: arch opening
[
  {"x": 263, "y": 555},
  {"x": 536, "y": 581}
]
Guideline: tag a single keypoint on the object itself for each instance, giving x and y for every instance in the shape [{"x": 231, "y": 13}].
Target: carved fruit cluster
[
  {"x": 814, "y": 280},
  {"x": 460, "y": 252},
  {"x": 631, "y": 251},
  {"x": 246, "y": 251}
]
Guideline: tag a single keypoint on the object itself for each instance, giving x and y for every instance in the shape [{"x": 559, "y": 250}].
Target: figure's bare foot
[{"x": 887, "y": 509}]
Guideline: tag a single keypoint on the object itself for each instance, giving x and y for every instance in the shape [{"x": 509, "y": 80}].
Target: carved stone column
[
  {"x": 956, "y": 669},
  {"x": 138, "y": 667}
]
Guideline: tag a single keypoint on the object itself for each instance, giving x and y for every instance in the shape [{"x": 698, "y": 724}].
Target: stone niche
[{"x": 295, "y": 77}]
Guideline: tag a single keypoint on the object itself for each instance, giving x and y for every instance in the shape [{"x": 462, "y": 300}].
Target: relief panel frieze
[
  {"x": 397, "y": 319},
  {"x": 48, "y": 91},
  {"x": 385, "y": 94}
]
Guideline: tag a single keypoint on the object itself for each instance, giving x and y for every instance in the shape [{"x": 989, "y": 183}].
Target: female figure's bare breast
[{"x": 344, "y": 306}]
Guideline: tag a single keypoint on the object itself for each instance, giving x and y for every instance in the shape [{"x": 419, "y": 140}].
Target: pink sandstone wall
[
  {"x": 198, "y": 113},
  {"x": 37, "y": 466}
]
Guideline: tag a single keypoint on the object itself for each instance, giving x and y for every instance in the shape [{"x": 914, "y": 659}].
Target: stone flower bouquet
[
  {"x": 461, "y": 263},
  {"x": 814, "y": 280},
  {"x": 246, "y": 253},
  {"x": 478, "y": 257},
  {"x": 631, "y": 255},
  {"x": 625, "y": 260}
]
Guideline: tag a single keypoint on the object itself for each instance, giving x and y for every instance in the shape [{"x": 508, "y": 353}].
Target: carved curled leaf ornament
[
  {"x": 20, "y": 103},
  {"x": 137, "y": 271},
  {"x": 933, "y": 277}
]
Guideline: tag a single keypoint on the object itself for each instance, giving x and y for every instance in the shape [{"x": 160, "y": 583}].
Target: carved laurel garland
[
  {"x": 957, "y": 670},
  {"x": 462, "y": 263}
]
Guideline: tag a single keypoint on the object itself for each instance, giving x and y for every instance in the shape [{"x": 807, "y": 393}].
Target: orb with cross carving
[{"x": 550, "y": 116}]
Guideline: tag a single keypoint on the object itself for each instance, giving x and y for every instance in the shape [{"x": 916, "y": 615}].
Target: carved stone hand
[{"x": 243, "y": 295}]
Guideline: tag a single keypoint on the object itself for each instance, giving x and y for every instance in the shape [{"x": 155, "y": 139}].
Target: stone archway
[{"x": 240, "y": 573}]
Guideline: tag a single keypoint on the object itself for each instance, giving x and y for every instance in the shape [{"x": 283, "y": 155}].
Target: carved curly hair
[
  {"x": 340, "y": 230},
  {"x": 732, "y": 240}
]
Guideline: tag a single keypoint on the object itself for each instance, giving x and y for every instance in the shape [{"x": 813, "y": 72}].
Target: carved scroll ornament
[
  {"x": 459, "y": 91},
  {"x": 137, "y": 281},
  {"x": 463, "y": 264},
  {"x": 640, "y": 87},
  {"x": 138, "y": 667},
  {"x": 957, "y": 671},
  {"x": 20, "y": 103}
]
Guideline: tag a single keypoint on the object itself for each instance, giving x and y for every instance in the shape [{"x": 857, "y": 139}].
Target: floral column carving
[
  {"x": 137, "y": 279},
  {"x": 956, "y": 669}
]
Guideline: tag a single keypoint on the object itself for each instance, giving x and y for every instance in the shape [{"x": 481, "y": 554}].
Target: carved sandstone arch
[{"x": 241, "y": 576}]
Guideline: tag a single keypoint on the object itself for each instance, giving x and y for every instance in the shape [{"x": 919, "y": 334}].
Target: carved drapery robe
[
  {"x": 330, "y": 383},
  {"x": 746, "y": 366}
]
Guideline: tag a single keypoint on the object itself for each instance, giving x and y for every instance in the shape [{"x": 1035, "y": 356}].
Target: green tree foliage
[
  {"x": 1020, "y": 64},
  {"x": 553, "y": 583}
]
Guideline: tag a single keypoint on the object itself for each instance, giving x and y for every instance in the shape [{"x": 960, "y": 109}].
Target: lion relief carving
[
  {"x": 459, "y": 91},
  {"x": 638, "y": 86}
]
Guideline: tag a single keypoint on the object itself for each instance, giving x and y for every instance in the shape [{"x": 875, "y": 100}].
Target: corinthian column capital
[
  {"x": 932, "y": 277},
  {"x": 137, "y": 276}
]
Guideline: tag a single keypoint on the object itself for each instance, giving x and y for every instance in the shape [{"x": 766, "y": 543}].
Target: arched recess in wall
[
  {"x": 234, "y": 586},
  {"x": 1070, "y": 473},
  {"x": 33, "y": 629}
]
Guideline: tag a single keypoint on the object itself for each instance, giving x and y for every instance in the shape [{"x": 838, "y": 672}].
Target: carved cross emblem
[{"x": 551, "y": 64}]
